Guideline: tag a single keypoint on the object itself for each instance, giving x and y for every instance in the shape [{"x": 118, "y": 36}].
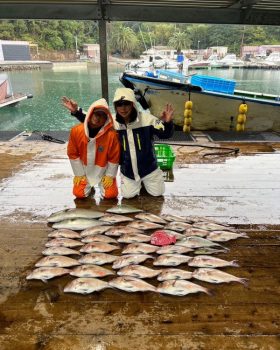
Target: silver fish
[
  {"x": 175, "y": 234},
  {"x": 123, "y": 209},
  {"x": 117, "y": 231},
  {"x": 174, "y": 274},
  {"x": 180, "y": 288},
  {"x": 133, "y": 238},
  {"x": 74, "y": 214},
  {"x": 60, "y": 251},
  {"x": 98, "y": 238},
  {"x": 98, "y": 247},
  {"x": 150, "y": 217},
  {"x": 210, "y": 261},
  {"x": 171, "y": 260},
  {"x": 177, "y": 218},
  {"x": 98, "y": 259},
  {"x": 56, "y": 261},
  {"x": 131, "y": 284},
  {"x": 46, "y": 273},
  {"x": 76, "y": 224},
  {"x": 216, "y": 276},
  {"x": 115, "y": 218},
  {"x": 91, "y": 271},
  {"x": 211, "y": 226},
  {"x": 209, "y": 250},
  {"x": 139, "y": 248},
  {"x": 224, "y": 236},
  {"x": 85, "y": 286},
  {"x": 64, "y": 233},
  {"x": 193, "y": 231},
  {"x": 130, "y": 260},
  {"x": 138, "y": 271},
  {"x": 177, "y": 226},
  {"x": 196, "y": 242},
  {"x": 173, "y": 249},
  {"x": 63, "y": 242},
  {"x": 144, "y": 225},
  {"x": 96, "y": 230}
]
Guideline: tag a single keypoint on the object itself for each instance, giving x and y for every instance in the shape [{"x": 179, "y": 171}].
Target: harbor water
[{"x": 44, "y": 111}]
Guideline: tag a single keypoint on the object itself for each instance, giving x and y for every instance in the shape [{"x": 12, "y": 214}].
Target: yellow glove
[
  {"x": 78, "y": 179},
  {"x": 107, "y": 181}
]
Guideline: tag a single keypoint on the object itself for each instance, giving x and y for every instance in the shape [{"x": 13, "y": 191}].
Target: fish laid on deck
[
  {"x": 98, "y": 238},
  {"x": 123, "y": 209},
  {"x": 139, "y": 248},
  {"x": 98, "y": 247},
  {"x": 138, "y": 271},
  {"x": 132, "y": 284},
  {"x": 210, "y": 261},
  {"x": 177, "y": 218},
  {"x": 178, "y": 226},
  {"x": 46, "y": 273},
  {"x": 115, "y": 218},
  {"x": 133, "y": 238},
  {"x": 216, "y": 276},
  {"x": 60, "y": 251},
  {"x": 171, "y": 260},
  {"x": 57, "y": 261},
  {"x": 174, "y": 274},
  {"x": 64, "y": 233},
  {"x": 63, "y": 242},
  {"x": 150, "y": 217},
  {"x": 144, "y": 225},
  {"x": 224, "y": 236},
  {"x": 180, "y": 288},
  {"x": 117, "y": 231},
  {"x": 97, "y": 259},
  {"x": 193, "y": 231},
  {"x": 196, "y": 242},
  {"x": 78, "y": 224},
  {"x": 130, "y": 260},
  {"x": 96, "y": 230},
  {"x": 85, "y": 286},
  {"x": 173, "y": 249},
  {"x": 91, "y": 271},
  {"x": 74, "y": 214}
]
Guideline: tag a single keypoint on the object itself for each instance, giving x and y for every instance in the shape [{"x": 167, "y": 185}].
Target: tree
[
  {"x": 123, "y": 39},
  {"x": 179, "y": 41}
]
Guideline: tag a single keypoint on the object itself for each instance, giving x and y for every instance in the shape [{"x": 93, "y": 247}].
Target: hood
[
  {"x": 99, "y": 104},
  {"x": 127, "y": 95}
]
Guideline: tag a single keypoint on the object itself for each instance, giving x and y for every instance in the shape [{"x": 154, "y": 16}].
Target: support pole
[{"x": 103, "y": 59}]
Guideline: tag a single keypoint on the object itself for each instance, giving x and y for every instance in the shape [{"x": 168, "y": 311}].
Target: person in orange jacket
[{"x": 94, "y": 151}]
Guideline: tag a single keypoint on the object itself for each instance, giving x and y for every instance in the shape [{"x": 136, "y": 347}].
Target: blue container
[
  {"x": 215, "y": 84},
  {"x": 151, "y": 74}
]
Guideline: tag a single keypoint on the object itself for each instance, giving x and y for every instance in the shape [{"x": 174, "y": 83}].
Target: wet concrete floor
[{"x": 36, "y": 180}]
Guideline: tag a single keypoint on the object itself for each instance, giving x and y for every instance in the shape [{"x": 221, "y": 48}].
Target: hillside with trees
[{"x": 130, "y": 39}]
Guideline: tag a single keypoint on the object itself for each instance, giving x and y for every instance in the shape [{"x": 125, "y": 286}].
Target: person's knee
[
  {"x": 129, "y": 194},
  {"x": 155, "y": 193}
]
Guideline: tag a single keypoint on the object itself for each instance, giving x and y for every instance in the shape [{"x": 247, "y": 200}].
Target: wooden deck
[{"x": 243, "y": 191}]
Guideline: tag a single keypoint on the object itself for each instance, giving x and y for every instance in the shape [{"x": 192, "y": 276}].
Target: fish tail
[{"x": 234, "y": 263}]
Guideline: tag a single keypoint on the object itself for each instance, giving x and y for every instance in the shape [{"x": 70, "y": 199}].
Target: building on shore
[{"x": 14, "y": 50}]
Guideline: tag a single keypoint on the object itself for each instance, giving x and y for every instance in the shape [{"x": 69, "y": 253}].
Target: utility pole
[{"x": 103, "y": 50}]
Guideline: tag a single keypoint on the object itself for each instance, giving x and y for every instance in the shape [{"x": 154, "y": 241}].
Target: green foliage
[{"x": 132, "y": 38}]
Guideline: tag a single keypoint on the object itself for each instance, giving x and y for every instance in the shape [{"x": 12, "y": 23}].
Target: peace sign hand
[
  {"x": 71, "y": 105},
  {"x": 168, "y": 113}
]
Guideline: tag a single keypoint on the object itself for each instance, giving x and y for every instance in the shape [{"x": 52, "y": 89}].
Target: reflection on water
[{"x": 44, "y": 111}]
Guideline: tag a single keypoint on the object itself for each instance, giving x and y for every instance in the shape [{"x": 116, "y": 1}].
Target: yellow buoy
[
  {"x": 186, "y": 128},
  {"x": 187, "y": 121},
  {"x": 188, "y": 113},
  {"x": 243, "y": 108},
  {"x": 188, "y": 105},
  {"x": 241, "y": 118},
  {"x": 240, "y": 127}
]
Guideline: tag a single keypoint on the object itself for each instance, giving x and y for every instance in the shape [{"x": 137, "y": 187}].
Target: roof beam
[{"x": 86, "y": 11}]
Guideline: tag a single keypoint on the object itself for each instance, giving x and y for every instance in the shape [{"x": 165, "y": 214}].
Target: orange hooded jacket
[{"x": 98, "y": 156}]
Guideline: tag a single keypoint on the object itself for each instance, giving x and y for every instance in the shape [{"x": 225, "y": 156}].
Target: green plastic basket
[{"x": 165, "y": 156}]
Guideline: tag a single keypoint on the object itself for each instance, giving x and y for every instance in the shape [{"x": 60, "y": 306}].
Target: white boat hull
[{"x": 211, "y": 111}]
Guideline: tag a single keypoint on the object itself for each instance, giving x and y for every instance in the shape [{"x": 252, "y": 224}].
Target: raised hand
[
  {"x": 71, "y": 105},
  {"x": 168, "y": 113}
]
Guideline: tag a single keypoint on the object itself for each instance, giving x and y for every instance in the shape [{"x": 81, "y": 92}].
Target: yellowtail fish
[{"x": 74, "y": 214}]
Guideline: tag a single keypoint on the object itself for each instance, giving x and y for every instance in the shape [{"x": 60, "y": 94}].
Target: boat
[
  {"x": 7, "y": 97},
  {"x": 215, "y": 106},
  {"x": 273, "y": 59},
  {"x": 230, "y": 60}
]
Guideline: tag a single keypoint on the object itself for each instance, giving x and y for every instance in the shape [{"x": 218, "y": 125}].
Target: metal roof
[{"x": 262, "y": 12}]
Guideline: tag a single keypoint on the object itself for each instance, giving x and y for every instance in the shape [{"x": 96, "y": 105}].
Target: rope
[{"x": 46, "y": 137}]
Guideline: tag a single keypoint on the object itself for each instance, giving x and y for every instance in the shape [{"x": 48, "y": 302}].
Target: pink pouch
[{"x": 161, "y": 238}]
